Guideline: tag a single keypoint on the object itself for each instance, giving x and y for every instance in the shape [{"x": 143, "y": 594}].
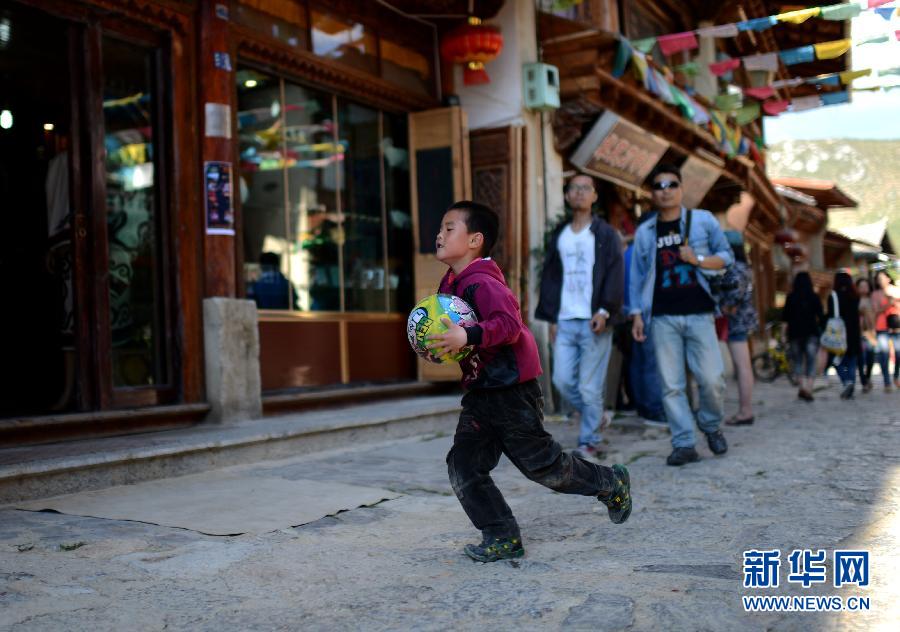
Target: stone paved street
[{"x": 823, "y": 475}]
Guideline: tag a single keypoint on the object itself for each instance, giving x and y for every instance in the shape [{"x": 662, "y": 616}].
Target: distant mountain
[{"x": 867, "y": 170}]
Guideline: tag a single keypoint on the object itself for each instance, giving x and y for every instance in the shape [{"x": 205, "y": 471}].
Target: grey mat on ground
[{"x": 217, "y": 503}]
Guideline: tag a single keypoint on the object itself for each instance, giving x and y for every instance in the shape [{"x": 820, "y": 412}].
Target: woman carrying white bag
[{"x": 842, "y": 333}]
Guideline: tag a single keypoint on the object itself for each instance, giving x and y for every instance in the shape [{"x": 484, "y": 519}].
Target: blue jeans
[
  {"x": 866, "y": 362},
  {"x": 884, "y": 338},
  {"x": 847, "y": 369},
  {"x": 645, "y": 383},
  {"x": 692, "y": 339},
  {"x": 580, "y": 361}
]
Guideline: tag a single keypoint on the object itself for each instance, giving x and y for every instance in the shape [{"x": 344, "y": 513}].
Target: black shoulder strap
[{"x": 687, "y": 227}]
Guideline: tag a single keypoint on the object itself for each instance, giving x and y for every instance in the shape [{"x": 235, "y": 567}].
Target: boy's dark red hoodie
[{"x": 505, "y": 353}]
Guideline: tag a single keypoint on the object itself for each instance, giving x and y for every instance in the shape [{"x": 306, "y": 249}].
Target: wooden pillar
[{"x": 215, "y": 70}]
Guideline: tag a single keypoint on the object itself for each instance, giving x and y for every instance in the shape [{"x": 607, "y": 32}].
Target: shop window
[
  {"x": 133, "y": 218},
  {"x": 407, "y": 65},
  {"x": 344, "y": 40},
  {"x": 325, "y": 200},
  {"x": 395, "y": 158},
  {"x": 283, "y": 21}
]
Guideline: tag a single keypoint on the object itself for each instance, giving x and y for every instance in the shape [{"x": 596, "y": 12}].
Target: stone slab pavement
[{"x": 822, "y": 476}]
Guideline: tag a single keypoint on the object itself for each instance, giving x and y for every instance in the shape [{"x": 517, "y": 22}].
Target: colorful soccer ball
[{"x": 425, "y": 320}]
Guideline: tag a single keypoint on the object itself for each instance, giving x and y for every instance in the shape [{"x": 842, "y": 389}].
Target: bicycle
[{"x": 774, "y": 361}]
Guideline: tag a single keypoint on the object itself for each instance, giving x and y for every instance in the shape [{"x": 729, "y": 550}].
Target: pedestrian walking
[
  {"x": 643, "y": 373},
  {"x": 844, "y": 304},
  {"x": 868, "y": 339},
  {"x": 885, "y": 299},
  {"x": 502, "y": 410},
  {"x": 669, "y": 294},
  {"x": 581, "y": 294},
  {"x": 804, "y": 318},
  {"x": 736, "y": 301}
]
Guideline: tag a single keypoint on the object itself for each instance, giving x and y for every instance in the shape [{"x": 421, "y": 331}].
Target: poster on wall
[
  {"x": 697, "y": 176},
  {"x": 219, "y": 207},
  {"x": 619, "y": 151}
]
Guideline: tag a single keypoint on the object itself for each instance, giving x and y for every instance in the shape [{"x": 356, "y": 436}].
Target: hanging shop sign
[
  {"x": 619, "y": 151},
  {"x": 697, "y": 177},
  {"x": 219, "y": 207}
]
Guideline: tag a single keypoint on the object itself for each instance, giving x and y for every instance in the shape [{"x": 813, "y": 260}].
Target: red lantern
[{"x": 472, "y": 44}]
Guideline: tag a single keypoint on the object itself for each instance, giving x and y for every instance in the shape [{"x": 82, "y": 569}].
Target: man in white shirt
[{"x": 581, "y": 293}]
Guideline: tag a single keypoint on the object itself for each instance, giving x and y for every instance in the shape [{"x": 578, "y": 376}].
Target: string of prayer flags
[
  {"x": 723, "y": 30},
  {"x": 840, "y": 12},
  {"x": 762, "y": 61},
  {"x": 800, "y": 104},
  {"x": 775, "y": 107},
  {"x": 760, "y": 93},
  {"x": 644, "y": 45},
  {"x": 830, "y": 50},
  {"x": 757, "y": 24},
  {"x": 797, "y": 55},
  {"x": 833, "y": 98},
  {"x": 886, "y": 12},
  {"x": 701, "y": 114},
  {"x": 849, "y": 75},
  {"x": 677, "y": 42},
  {"x": 720, "y": 68},
  {"x": 799, "y": 16}
]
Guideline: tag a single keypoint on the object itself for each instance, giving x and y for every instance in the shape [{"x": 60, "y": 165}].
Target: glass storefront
[{"x": 325, "y": 197}]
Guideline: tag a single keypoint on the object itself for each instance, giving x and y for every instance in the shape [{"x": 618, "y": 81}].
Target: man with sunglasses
[
  {"x": 669, "y": 295},
  {"x": 581, "y": 294}
]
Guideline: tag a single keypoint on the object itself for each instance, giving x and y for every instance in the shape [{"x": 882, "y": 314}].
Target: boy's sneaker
[
  {"x": 589, "y": 452},
  {"x": 655, "y": 423},
  {"x": 680, "y": 456},
  {"x": 618, "y": 503},
  {"x": 495, "y": 550}
]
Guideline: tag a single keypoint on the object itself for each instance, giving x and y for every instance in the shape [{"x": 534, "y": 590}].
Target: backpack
[{"x": 834, "y": 340}]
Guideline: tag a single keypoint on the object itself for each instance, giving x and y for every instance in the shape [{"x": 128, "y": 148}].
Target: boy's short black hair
[
  {"x": 665, "y": 168},
  {"x": 480, "y": 219}
]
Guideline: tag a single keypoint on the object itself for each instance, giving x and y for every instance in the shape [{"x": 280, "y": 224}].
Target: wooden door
[
  {"x": 498, "y": 165},
  {"x": 439, "y": 176}
]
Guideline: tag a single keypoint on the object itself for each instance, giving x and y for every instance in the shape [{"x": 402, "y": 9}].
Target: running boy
[{"x": 503, "y": 406}]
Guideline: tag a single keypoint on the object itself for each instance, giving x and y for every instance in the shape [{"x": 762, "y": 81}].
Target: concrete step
[{"x": 48, "y": 470}]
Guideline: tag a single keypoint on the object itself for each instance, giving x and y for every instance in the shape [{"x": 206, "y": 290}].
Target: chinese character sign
[{"x": 761, "y": 568}]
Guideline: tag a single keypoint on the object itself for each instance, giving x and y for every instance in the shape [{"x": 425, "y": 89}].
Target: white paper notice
[{"x": 218, "y": 120}]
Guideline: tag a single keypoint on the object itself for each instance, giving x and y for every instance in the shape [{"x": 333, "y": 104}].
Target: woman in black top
[
  {"x": 848, "y": 309},
  {"x": 804, "y": 318}
]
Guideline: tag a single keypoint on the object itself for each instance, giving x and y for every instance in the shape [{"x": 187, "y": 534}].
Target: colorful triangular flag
[
  {"x": 841, "y": 12},
  {"x": 677, "y": 42},
  {"x": 833, "y": 98},
  {"x": 799, "y": 55},
  {"x": 798, "y": 17},
  {"x": 881, "y": 39},
  {"x": 805, "y": 103},
  {"x": 775, "y": 107},
  {"x": 747, "y": 114},
  {"x": 720, "y": 68},
  {"x": 760, "y": 93},
  {"x": 644, "y": 45},
  {"x": 849, "y": 75},
  {"x": 830, "y": 50},
  {"x": 723, "y": 30},
  {"x": 885, "y": 12},
  {"x": 762, "y": 61},
  {"x": 758, "y": 24}
]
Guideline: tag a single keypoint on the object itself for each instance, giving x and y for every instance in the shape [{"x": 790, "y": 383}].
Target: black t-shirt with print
[{"x": 677, "y": 291}]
